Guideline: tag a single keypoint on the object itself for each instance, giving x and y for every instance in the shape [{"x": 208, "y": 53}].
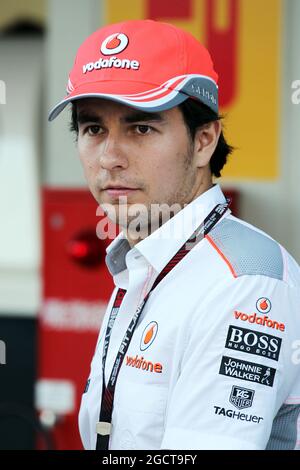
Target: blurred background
[{"x": 54, "y": 285}]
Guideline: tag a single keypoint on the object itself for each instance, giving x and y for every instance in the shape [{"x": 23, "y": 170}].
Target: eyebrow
[
  {"x": 139, "y": 116},
  {"x": 142, "y": 116},
  {"x": 84, "y": 116}
]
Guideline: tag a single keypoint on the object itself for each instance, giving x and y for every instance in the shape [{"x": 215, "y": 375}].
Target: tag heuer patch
[{"x": 241, "y": 397}]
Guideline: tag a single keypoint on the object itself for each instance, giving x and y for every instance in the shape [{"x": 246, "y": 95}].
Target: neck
[{"x": 204, "y": 186}]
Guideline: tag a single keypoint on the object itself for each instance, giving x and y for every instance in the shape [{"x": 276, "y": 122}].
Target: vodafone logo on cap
[{"x": 114, "y": 44}]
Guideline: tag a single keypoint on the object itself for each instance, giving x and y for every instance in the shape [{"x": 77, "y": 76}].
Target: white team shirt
[{"x": 214, "y": 362}]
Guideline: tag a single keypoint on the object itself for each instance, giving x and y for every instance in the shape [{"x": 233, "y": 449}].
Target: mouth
[{"x": 115, "y": 192}]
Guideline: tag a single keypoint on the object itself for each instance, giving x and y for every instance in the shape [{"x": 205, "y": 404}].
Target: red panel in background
[
  {"x": 180, "y": 9},
  {"x": 234, "y": 196},
  {"x": 71, "y": 292},
  {"x": 67, "y": 213},
  {"x": 222, "y": 45}
]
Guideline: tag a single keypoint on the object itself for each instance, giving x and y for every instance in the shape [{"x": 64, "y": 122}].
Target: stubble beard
[{"x": 140, "y": 220}]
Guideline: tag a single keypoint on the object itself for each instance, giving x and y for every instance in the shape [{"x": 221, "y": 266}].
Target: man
[{"x": 198, "y": 347}]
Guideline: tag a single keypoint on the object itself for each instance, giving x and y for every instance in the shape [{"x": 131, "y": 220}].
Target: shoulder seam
[{"x": 218, "y": 250}]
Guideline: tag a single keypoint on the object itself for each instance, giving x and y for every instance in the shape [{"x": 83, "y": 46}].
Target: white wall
[
  {"x": 20, "y": 155},
  {"x": 35, "y": 72},
  {"x": 70, "y": 22}
]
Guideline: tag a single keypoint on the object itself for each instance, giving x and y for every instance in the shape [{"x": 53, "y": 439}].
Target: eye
[
  {"x": 93, "y": 130},
  {"x": 143, "y": 129}
]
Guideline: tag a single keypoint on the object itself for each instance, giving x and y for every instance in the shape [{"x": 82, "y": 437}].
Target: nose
[{"x": 113, "y": 152}]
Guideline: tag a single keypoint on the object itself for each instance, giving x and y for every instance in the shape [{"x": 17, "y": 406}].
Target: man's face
[{"x": 151, "y": 153}]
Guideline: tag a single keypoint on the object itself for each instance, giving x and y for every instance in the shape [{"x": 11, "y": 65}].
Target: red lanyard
[{"x": 106, "y": 409}]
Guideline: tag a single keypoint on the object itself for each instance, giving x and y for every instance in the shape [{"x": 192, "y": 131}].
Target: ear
[{"x": 205, "y": 142}]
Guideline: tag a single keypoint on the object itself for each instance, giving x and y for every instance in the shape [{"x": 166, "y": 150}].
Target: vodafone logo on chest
[
  {"x": 149, "y": 335},
  {"x": 112, "y": 45},
  {"x": 263, "y": 305}
]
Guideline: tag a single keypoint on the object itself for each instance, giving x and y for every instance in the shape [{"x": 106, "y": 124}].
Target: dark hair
[
  {"x": 73, "y": 126},
  {"x": 195, "y": 115}
]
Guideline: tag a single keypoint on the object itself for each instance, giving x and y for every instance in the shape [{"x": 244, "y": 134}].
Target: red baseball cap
[{"x": 144, "y": 64}]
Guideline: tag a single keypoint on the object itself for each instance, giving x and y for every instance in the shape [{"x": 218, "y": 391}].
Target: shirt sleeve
[{"x": 235, "y": 368}]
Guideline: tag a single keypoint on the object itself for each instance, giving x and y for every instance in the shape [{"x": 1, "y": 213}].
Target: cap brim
[{"x": 139, "y": 95}]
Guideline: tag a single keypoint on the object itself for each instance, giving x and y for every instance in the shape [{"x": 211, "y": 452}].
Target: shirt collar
[{"x": 161, "y": 245}]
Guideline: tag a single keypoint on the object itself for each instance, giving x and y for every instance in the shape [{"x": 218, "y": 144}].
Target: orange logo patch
[
  {"x": 149, "y": 335},
  {"x": 263, "y": 305}
]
